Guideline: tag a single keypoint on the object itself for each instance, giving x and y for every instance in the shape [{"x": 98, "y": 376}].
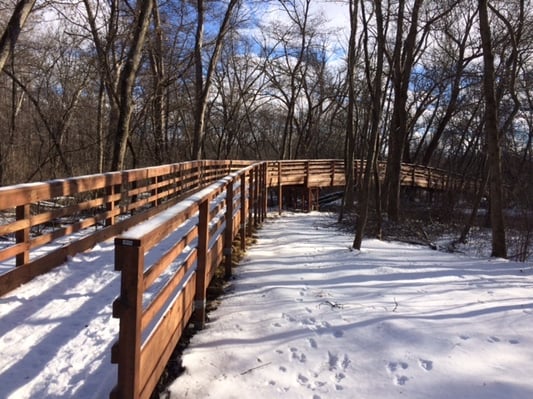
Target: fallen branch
[
  {"x": 333, "y": 305},
  {"x": 255, "y": 368}
]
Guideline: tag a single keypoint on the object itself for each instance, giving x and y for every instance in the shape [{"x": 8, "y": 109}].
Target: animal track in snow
[
  {"x": 302, "y": 379},
  {"x": 288, "y": 317},
  {"x": 425, "y": 364},
  {"x": 298, "y": 356},
  {"x": 393, "y": 366},
  {"x": 338, "y": 333},
  {"x": 335, "y": 363},
  {"x": 398, "y": 379}
]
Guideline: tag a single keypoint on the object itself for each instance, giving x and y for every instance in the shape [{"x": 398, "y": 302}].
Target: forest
[{"x": 91, "y": 86}]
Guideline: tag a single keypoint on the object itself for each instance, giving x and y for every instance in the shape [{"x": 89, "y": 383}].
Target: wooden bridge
[{"x": 205, "y": 207}]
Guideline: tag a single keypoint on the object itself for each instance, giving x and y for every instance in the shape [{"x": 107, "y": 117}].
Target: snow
[
  {"x": 304, "y": 317},
  {"x": 57, "y": 330},
  {"x": 308, "y": 318}
]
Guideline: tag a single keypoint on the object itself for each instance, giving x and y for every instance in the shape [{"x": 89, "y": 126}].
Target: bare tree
[
  {"x": 375, "y": 89},
  {"x": 128, "y": 74},
  {"x": 203, "y": 79},
  {"x": 402, "y": 62},
  {"x": 499, "y": 248}
]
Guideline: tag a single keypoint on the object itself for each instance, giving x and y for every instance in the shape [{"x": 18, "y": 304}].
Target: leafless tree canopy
[{"x": 92, "y": 86}]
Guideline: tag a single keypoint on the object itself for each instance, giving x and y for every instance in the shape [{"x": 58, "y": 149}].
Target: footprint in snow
[
  {"x": 338, "y": 333},
  {"x": 425, "y": 364},
  {"x": 493, "y": 339},
  {"x": 288, "y": 317},
  {"x": 400, "y": 379},
  {"x": 393, "y": 366},
  {"x": 298, "y": 356},
  {"x": 302, "y": 379},
  {"x": 335, "y": 362}
]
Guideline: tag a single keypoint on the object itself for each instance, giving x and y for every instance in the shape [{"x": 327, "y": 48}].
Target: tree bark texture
[
  {"x": 13, "y": 29},
  {"x": 127, "y": 81},
  {"x": 499, "y": 248}
]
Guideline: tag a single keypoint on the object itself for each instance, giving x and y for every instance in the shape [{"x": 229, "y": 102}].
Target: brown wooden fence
[
  {"x": 41, "y": 224},
  {"x": 330, "y": 173},
  {"x": 196, "y": 209},
  {"x": 159, "y": 293}
]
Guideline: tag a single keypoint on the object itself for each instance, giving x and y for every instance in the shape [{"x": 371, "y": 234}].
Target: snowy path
[{"x": 307, "y": 318}]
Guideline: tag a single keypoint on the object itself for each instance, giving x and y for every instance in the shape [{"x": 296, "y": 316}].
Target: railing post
[
  {"x": 251, "y": 200},
  {"x": 23, "y": 212},
  {"x": 307, "y": 174},
  {"x": 264, "y": 191},
  {"x": 129, "y": 259},
  {"x": 256, "y": 195},
  {"x": 201, "y": 270},
  {"x": 228, "y": 238},
  {"x": 111, "y": 203},
  {"x": 242, "y": 231},
  {"x": 280, "y": 189},
  {"x": 332, "y": 173}
]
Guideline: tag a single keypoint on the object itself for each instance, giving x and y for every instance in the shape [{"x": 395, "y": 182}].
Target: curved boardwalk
[{"x": 72, "y": 307}]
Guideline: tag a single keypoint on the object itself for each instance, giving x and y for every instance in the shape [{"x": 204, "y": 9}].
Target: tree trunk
[
  {"x": 350, "y": 128},
  {"x": 13, "y": 29},
  {"x": 127, "y": 81},
  {"x": 499, "y": 248},
  {"x": 403, "y": 59},
  {"x": 158, "y": 72},
  {"x": 375, "y": 91},
  {"x": 203, "y": 85}
]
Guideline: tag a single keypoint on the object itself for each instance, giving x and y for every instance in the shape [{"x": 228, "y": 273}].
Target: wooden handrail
[
  {"x": 201, "y": 229},
  {"x": 203, "y": 205},
  {"x": 76, "y": 213}
]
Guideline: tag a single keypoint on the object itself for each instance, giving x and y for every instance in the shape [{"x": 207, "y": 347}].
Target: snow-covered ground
[
  {"x": 305, "y": 317},
  {"x": 56, "y": 331},
  {"x": 308, "y": 318}
]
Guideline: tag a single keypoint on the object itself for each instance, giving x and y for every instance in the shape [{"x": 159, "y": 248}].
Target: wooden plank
[
  {"x": 153, "y": 272},
  {"x": 161, "y": 297},
  {"x": 13, "y": 250},
  {"x": 12, "y": 227},
  {"x": 159, "y": 347}
]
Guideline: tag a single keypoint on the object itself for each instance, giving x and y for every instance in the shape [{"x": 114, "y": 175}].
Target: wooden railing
[
  {"x": 330, "y": 173},
  {"x": 195, "y": 209},
  {"x": 43, "y": 223},
  {"x": 166, "y": 264}
]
